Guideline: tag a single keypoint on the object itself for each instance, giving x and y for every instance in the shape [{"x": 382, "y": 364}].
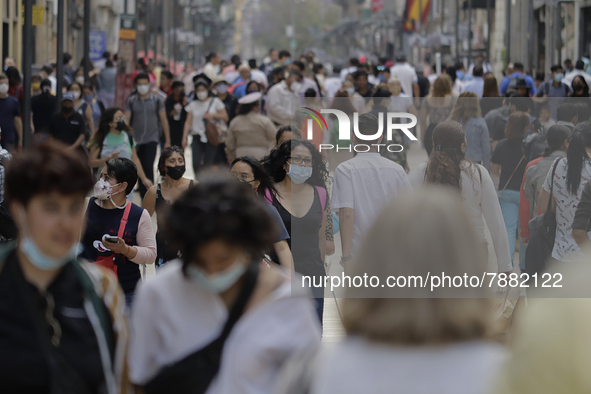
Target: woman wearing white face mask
[
  {"x": 201, "y": 108},
  {"x": 62, "y": 322},
  {"x": 82, "y": 107},
  {"x": 222, "y": 230},
  {"x": 300, "y": 178},
  {"x": 118, "y": 233}
]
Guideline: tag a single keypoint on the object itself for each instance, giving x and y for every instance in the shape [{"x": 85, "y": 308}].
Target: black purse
[
  {"x": 194, "y": 373},
  {"x": 542, "y": 233}
]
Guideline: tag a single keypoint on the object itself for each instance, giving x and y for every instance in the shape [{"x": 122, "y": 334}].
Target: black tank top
[
  {"x": 165, "y": 252},
  {"x": 303, "y": 239}
]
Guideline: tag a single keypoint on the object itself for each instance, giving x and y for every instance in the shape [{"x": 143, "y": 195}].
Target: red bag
[{"x": 109, "y": 261}]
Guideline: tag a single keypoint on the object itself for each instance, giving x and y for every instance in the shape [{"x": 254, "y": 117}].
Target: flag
[
  {"x": 412, "y": 14},
  {"x": 377, "y": 5}
]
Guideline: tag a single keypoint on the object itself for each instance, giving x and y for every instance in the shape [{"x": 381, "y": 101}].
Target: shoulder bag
[
  {"x": 542, "y": 233},
  {"x": 211, "y": 130},
  {"x": 109, "y": 261},
  {"x": 194, "y": 373}
]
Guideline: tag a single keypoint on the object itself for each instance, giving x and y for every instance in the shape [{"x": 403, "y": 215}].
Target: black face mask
[
  {"x": 121, "y": 125},
  {"x": 577, "y": 86},
  {"x": 175, "y": 173},
  {"x": 67, "y": 110}
]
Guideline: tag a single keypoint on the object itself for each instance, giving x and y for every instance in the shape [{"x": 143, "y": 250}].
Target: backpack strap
[
  {"x": 268, "y": 196},
  {"x": 322, "y": 195}
]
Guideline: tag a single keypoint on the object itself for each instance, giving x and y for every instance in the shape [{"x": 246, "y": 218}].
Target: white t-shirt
[
  {"x": 479, "y": 198},
  {"x": 173, "y": 317},
  {"x": 198, "y": 109},
  {"x": 565, "y": 246},
  {"x": 407, "y": 76},
  {"x": 355, "y": 365},
  {"x": 366, "y": 183}
]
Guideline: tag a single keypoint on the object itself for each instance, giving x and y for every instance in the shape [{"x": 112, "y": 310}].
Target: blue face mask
[
  {"x": 299, "y": 174},
  {"x": 558, "y": 77},
  {"x": 44, "y": 262},
  {"x": 460, "y": 74},
  {"x": 286, "y": 63},
  {"x": 38, "y": 258},
  {"x": 217, "y": 283},
  {"x": 89, "y": 98},
  {"x": 382, "y": 78}
]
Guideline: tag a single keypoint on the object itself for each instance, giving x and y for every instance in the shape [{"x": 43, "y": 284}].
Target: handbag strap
[
  {"x": 56, "y": 362},
  {"x": 511, "y": 177},
  {"x": 123, "y": 223}
]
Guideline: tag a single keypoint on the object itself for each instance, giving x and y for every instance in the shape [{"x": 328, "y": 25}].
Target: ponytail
[{"x": 577, "y": 155}]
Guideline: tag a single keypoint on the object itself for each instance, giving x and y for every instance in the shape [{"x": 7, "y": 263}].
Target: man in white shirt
[
  {"x": 363, "y": 186},
  {"x": 407, "y": 76},
  {"x": 579, "y": 70},
  {"x": 353, "y": 65},
  {"x": 281, "y": 97}
]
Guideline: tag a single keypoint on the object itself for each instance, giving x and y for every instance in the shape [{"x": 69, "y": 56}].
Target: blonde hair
[
  {"x": 466, "y": 107},
  {"x": 441, "y": 87},
  {"x": 426, "y": 232}
]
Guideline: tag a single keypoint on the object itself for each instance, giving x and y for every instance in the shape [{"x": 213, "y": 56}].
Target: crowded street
[{"x": 295, "y": 197}]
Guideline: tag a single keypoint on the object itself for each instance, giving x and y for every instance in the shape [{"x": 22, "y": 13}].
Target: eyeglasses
[
  {"x": 242, "y": 177},
  {"x": 298, "y": 161},
  {"x": 119, "y": 119}
]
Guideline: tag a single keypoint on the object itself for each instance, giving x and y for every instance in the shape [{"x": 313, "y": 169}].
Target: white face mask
[
  {"x": 202, "y": 95},
  {"x": 143, "y": 89},
  {"x": 295, "y": 87},
  {"x": 4, "y": 88},
  {"x": 80, "y": 79},
  {"x": 76, "y": 95}
]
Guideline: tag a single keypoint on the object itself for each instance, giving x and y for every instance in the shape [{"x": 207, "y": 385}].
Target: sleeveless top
[
  {"x": 303, "y": 240},
  {"x": 102, "y": 221},
  {"x": 165, "y": 252}
]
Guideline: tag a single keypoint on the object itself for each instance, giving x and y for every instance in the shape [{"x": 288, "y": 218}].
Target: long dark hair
[
  {"x": 577, "y": 155},
  {"x": 104, "y": 127},
  {"x": 273, "y": 163},
  {"x": 266, "y": 182},
  {"x": 444, "y": 167},
  {"x": 585, "y": 87}
]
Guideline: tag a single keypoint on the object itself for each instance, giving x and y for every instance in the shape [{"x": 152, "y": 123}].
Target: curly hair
[
  {"x": 273, "y": 163},
  {"x": 444, "y": 167},
  {"x": 220, "y": 208}
]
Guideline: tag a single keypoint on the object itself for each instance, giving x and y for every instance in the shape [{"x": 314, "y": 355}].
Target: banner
[
  {"x": 125, "y": 63},
  {"x": 412, "y": 13}
]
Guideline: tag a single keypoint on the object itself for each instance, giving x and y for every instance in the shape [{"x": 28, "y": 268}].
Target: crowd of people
[{"x": 225, "y": 311}]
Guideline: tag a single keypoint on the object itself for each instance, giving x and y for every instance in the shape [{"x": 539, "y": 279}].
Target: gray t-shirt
[{"x": 144, "y": 117}]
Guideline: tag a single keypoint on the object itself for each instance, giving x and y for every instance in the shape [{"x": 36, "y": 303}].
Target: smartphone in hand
[{"x": 111, "y": 239}]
